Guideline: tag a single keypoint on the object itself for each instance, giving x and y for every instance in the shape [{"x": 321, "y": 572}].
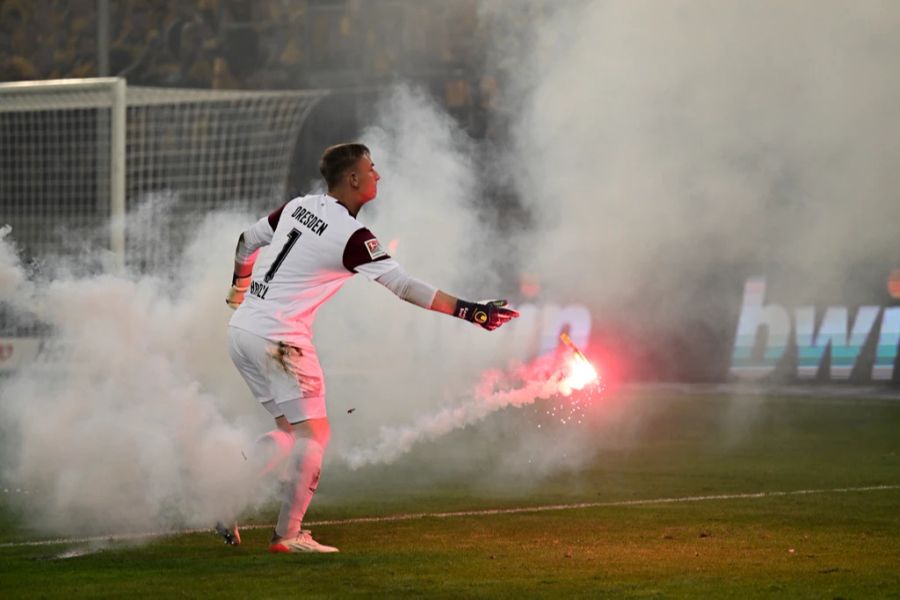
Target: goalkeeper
[{"x": 286, "y": 265}]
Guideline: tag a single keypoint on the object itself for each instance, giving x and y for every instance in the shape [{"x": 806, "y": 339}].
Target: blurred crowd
[{"x": 263, "y": 44}]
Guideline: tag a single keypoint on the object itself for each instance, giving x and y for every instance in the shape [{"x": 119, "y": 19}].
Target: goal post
[
  {"x": 84, "y": 156},
  {"x": 43, "y": 169}
]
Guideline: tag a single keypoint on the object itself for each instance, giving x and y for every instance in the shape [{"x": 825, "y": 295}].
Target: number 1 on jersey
[{"x": 292, "y": 238}]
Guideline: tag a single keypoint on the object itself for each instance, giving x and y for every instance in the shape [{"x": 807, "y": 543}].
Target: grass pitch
[{"x": 827, "y": 544}]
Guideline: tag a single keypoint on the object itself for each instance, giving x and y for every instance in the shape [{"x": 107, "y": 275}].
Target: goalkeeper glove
[
  {"x": 239, "y": 287},
  {"x": 489, "y": 314}
]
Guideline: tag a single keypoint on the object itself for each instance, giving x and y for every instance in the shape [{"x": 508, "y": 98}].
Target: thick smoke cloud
[
  {"x": 670, "y": 140},
  {"x": 130, "y": 420},
  {"x": 675, "y": 148},
  {"x": 662, "y": 149}
]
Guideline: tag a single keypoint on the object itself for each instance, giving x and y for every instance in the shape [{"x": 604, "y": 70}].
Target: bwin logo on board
[{"x": 836, "y": 332}]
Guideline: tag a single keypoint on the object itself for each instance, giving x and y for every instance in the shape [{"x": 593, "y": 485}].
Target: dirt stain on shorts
[{"x": 285, "y": 354}]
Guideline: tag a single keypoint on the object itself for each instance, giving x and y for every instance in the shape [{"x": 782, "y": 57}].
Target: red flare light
[{"x": 579, "y": 370}]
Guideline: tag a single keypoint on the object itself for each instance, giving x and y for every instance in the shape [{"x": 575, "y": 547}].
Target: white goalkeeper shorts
[{"x": 287, "y": 380}]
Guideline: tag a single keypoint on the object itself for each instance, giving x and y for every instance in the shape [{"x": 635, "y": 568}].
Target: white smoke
[
  {"x": 130, "y": 419},
  {"x": 656, "y": 146},
  {"x": 666, "y": 141}
]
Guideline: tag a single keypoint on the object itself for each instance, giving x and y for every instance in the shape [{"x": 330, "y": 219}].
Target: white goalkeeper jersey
[{"x": 314, "y": 247}]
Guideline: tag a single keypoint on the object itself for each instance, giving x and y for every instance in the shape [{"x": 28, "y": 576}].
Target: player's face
[{"x": 366, "y": 178}]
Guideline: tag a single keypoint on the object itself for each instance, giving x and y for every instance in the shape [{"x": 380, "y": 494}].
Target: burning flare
[
  {"x": 579, "y": 370},
  {"x": 580, "y": 373}
]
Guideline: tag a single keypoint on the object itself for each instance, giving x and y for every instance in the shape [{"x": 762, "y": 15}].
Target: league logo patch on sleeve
[{"x": 375, "y": 249}]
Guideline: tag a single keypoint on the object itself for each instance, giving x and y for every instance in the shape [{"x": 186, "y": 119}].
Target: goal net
[{"x": 79, "y": 156}]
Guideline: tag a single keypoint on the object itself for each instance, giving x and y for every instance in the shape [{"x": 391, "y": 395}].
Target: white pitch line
[
  {"x": 577, "y": 505},
  {"x": 466, "y": 513}
]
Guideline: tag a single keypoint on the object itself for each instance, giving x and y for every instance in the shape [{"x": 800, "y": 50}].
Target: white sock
[{"x": 299, "y": 490}]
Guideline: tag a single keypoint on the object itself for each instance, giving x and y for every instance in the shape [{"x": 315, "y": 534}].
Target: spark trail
[{"x": 555, "y": 376}]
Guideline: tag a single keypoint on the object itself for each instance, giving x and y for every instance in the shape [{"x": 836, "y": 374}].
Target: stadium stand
[{"x": 265, "y": 44}]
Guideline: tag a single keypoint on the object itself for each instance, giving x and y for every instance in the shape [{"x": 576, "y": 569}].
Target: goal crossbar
[{"x": 93, "y": 151}]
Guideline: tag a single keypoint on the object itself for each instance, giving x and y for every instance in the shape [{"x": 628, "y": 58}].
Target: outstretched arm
[
  {"x": 489, "y": 314},
  {"x": 364, "y": 254}
]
